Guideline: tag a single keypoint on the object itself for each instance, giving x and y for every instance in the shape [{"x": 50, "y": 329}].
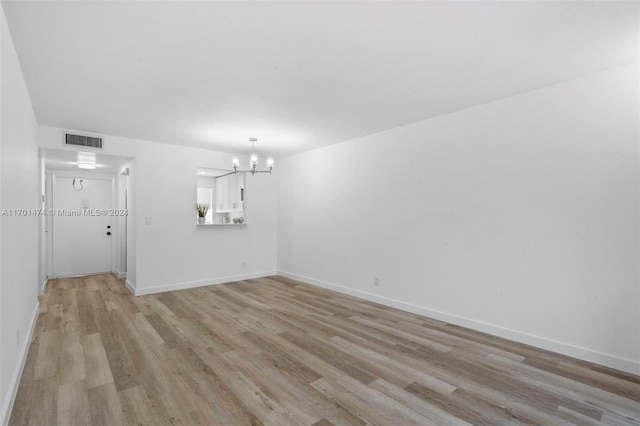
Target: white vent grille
[{"x": 83, "y": 141}]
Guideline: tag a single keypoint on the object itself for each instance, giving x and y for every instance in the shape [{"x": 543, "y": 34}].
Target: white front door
[{"x": 81, "y": 226}]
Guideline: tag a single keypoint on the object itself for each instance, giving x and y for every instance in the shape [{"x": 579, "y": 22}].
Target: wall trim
[
  {"x": 608, "y": 360},
  {"x": 202, "y": 283},
  {"x": 119, "y": 274},
  {"x": 43, "y": 287},
  {"x": 7, "y": 406},
  {"x": 130, "y": 287}
]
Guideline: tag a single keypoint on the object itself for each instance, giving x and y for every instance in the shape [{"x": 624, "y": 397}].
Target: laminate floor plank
[
  {"x": 144, "y": 331},
  {"x": 438, "y": 336},
  {"x": 530, "y": 353},
  {"x": 97, "y": 368},
  {"x": 47, "y": 361},
  {"x": 53, "y": 319},
  {"x": 603, "y": 381},
  {"x": 340, "y": 360},
  {"x": 473, "y": 373},
  {"x": 264, "y": 408},
  {"x": 411, "y": 337},
  {"x": 70, "y": 318},
  {"x": 72, "y": 366},
  {"x": 216, "y": 409},
  {"x": 73, "y": 404},
  {"x": 293, "y": 398},
  {"x": 104, "y": 405},
  {"x": 122, "y": 369},
  {"x": 425, "y": 408},
  {"x": 329, "y": 326},
  {"x": 274, "y": 351},
  {"x": 136, "y": 408},
  {"x": 394, "y": 370},
  {"x": 221, "y": 395},
  {"x": 370, "y": 405},
  {"x": 43, "y": 394},
  {"x": 542, "y": 380},
  {"x": 85, "y": 313}
]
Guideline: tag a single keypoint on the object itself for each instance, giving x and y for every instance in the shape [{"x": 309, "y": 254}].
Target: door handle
[{"x": 108, "y": 233}]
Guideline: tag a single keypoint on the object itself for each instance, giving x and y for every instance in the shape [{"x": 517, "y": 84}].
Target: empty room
[{"x": 319, "y": 212}]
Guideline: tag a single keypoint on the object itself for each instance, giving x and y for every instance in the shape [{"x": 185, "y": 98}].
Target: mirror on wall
[{"x": 223, "y": 194}]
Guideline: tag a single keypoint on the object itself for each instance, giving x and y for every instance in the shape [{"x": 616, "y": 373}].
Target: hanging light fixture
[{"x": 253, "y": 161}]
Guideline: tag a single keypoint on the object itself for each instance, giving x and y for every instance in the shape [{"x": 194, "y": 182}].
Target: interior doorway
[{"x": 84, "y": 230}]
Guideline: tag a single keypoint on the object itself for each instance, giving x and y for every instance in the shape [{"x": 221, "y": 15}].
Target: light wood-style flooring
[{"x": 278, "y": 352}]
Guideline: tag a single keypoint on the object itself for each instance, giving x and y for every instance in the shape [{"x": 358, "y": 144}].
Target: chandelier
[{"x": 253, "y": 161}]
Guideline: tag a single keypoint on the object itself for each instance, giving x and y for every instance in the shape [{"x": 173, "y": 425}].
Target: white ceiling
[{"x": 298, "y": 75}]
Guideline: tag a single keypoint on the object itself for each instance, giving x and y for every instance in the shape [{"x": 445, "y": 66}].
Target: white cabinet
[
  {"x": 230, "y": 193},
  {"x": 222, "y": 195}
]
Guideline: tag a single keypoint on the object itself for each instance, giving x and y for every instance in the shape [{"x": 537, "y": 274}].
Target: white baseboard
[
  {"x": 119, "y": 274},
  {"x": 43, "y": 287},
  {"x": 194, "y": 284},
  {"x": 608, "y": 360},
  {"x": 7, "y": 405},
  {"x": 131, "y": 287}
]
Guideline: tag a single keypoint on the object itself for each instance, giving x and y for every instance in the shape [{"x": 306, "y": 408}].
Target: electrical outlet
[
  {"x": 376, "y": 281},
  {"x": 244, "y": 264}
]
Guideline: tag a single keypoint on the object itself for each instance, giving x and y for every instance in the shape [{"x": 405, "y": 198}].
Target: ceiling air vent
[{"x": 83, "y": 141}]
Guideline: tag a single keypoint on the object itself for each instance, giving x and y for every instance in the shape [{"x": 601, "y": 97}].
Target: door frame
[{"x": 51, "y": 273}]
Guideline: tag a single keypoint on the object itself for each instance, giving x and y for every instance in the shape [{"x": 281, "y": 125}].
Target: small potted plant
[{"x": 202, "y": 210}]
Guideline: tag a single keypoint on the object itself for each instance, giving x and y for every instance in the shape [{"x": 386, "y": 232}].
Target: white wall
[
  {"x": 172, "y": 252},
  {"x": 519, "y": 217},
  {"x": 19, "y": 242}
]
